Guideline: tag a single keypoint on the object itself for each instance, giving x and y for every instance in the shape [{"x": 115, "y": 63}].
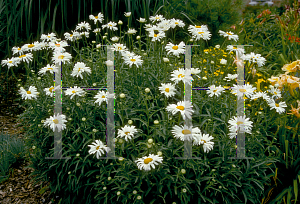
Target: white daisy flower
[
  {"x": 183, "y": 75},
  {"x": 156, "y": 18},
  {"x": 279, "y": 107},
  {"x": 50, "y": 68},
  {"x": 119, "y": 47},
  {"x": 10, "y": 62},
  {"x": 18, "y": 50},
  {"x": 180, "y": 107},
  {"x": 126, "y": 53},
  {"x": 59, "y": 57},
  {"x": 195, "y": 71},
  {"x": 195, "y": 28},
  {"x": 147, "y": 162},
  {"x": 97, "y": 30},
  {"x": 31, "y": 47},
  {"x": 75, "y": 91},
  {"x": 204, "y": 34},
  {"x": 57, "y": 120},
  {"x": 102, "y": 96},
  {"x": 176, "y": 22},
  {"x": 254, "y": 58},
  {"x": 213, "y": 90},
  {"x": 99, "y": 17},
  {"x": 127, "y": 14},
  {"x": 164, "y": 25},
  {"x": 26, "y": 58},
  {"x": 133, "y": 60},
  {"x": 98, "y": 147},
  {"x": 234, "y": 49},
  {"x": 236, "y": 123},
  {"x": 156, "y": 36},
  {"x": 86, "y": 34},
  {"x": 79, "y": 68},
  {"x": 131, "y": 31},
  {"x": 167, "y": 89},
  {"x": 49, "y": 37},
  {"x": 127, "y": 132},
  {"x": 142, "y": 20},
  {"x": 70, "y": 37},
  {"x": 231, "y": 77},
  {"x": 31, "y": 93},
  {"x": 175, "y": 49},
  {"x": 223, "y": 61},
  {"x": 115, "y": 39},
  {"x": 259, "y": 94},
  {"x": 205, "y": 140},
  {"x": 83, "y": 25},
  {"x": 240, "y": 90},
  {"x": 44, "y": 45},
  {"x": 181, "y": 132},
  {"x": 58, "y": 46},
  {"x": 111, "y": 26},
  {"x": 230, "y": 35},
  {"x": 49, "y": 91}
]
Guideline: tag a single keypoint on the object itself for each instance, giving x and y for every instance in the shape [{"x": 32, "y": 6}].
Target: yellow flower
[{"x": 222, "y": 72}]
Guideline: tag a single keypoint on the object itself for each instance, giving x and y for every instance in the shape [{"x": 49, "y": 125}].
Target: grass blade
[{"x": 54, "y": 15}]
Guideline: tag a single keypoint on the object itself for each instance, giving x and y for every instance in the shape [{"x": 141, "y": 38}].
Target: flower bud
[
  {"x": 77, "y": 104},
  {"x": 147, "y": 90},
  {"x": 217, "y": 46},
  {"x": 166, "y": 60},
  {"x": 120, "y": 22},
  {"x": 156, "y": 122},
  {"x": 121, "y": 158},
  {"x": 109, "y": 178},
  {"x": 183, "y": 171},
  {"x": 129, "y": 122},
  {"x": 93, "y": 42},
  {"x": 159, "y": 153},
  {"x": 138, "y": 37},
  {"x": 122, "y": 95},
  {"x": 150, "y": 141},
  {"x": 83, "y": 119},
  {"x": 134, "y": 192}
]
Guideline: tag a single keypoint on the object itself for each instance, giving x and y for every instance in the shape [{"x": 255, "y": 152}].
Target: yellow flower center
[
  {"x": 97, "y": 147},
  {"x": 234, "y": 48},
  {"x": 31, "y": 45},
  {"x": 215, "y": 90},
  {"x": 110, "y": 24},
  {"x": 119, "y": 48},
  {"x": 133, "y": 60},
  {"x": 186, "y": 132},
  {"x": 22, "y": 56},
  {"x": 276, "y": 104},
  {"x": 203, "y": 140},
  {"x": 49, "y": 36},
  {"x": 275, "y": 92},
  {"x": 180, "y": 75},
  {"x": 61, "y": 57},
  {"x": 19, "y": 48},
  {"x": 71, "y": 35},
  {"x": 28, "y": 92},
  {"x": 103, "y": 96},
  {"x": 239, "y": 122},
  {"x": 228, "y": 33},
  {"x": 155, "y": 35},
  {"x": 180, "y": 107},
  {"x": 200, "y": 32},
  {"x": 176, "y": 23},
  {"x": 79, "y": 69},
  {"x": 73, "y": 91},
  {"x": 127, "y": 133},
  {"x": 156, "y": 17},
  {"x": 57, "y": 45},
  {"x": 175, "y": 47},
  {"x": 9, "y": 61},
  {"x": 50, "y": 68},
  {"x": 96, "y": 17},
  {"x": 146, "y": 161},
  {"x": 55, "y": 121},
  {"x": 167, "y": 90},
  {"x": 242, "y": 90},
  {"x": 198, "y": 26},
  {"x": 51, "y": 89}
]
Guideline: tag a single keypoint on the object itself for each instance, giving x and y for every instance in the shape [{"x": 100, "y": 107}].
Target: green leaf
[{"x": 42, "y": 191}]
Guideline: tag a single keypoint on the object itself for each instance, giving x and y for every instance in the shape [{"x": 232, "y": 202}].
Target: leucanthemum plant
[{"x": 149, "y": 97}]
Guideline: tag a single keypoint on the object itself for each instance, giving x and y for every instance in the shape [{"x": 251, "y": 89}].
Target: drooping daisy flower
[
  {"x": 131, "y": 31},
  {"x": 31, "y": 93},
  {"x": 61, "y": 57},
  {"x": 71, "y": 37},
  {"x": 223, "y": 61},
  {"x": 133, "y": 60},
  {"x": 50, "y": 68},
  {"x": 142, "y": 20},
  {"x": 57, "y": 120},
  {"x": 18, "y": 50},
  {"x": 75, "y": 91},
  {"x": 276, "y": 92},
  {"x": 10, "y": 62},
  {"x": 26, "y": 57},
  {"x": 205, "y": 141},
  {"x": 49, "y": 37},
  {"x": 102, "y": 96},
  {"x": 254, "y": 58},
  {"x": 98, "y": 147},
  {"x": 79, "y": 68},
  {"x": 213, "y": 90},
  {"x": 240, "y": 90},
  {"x": 83, "y": 25},
  {"x": 126, "y": 53},
  {"x": 111, "y": 26},
  {"x": 279, "y": 107},
  {"x": 183, "y": 131},
  {"x": 260, "y": 94},
  {"x": 175, "y": 49},
  {"x": 164, "y": 25},
  {"x": 97, "y": 30},
  {"x": 230, "y": 35},
  {"x": 31, "y": 47},
  {"x": 234, "y": 49},
  {"x": 156, "y": 18},
  {"x": 127, "y": 132},
  {"x": 167, "y": 89},
  {"x": 49, "y": 91},
  {"x": 99, "y": 17},
  {"x": 86, "y": 34},
  {"x": 183, "y": 75},
  {"x": 147, "y": 162},
  {"x": 195, "y": 28},
  {"x": 176, "y": 22},
  {"x": 180, "y": 107},
  {"x": 127, "y": 14}
]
